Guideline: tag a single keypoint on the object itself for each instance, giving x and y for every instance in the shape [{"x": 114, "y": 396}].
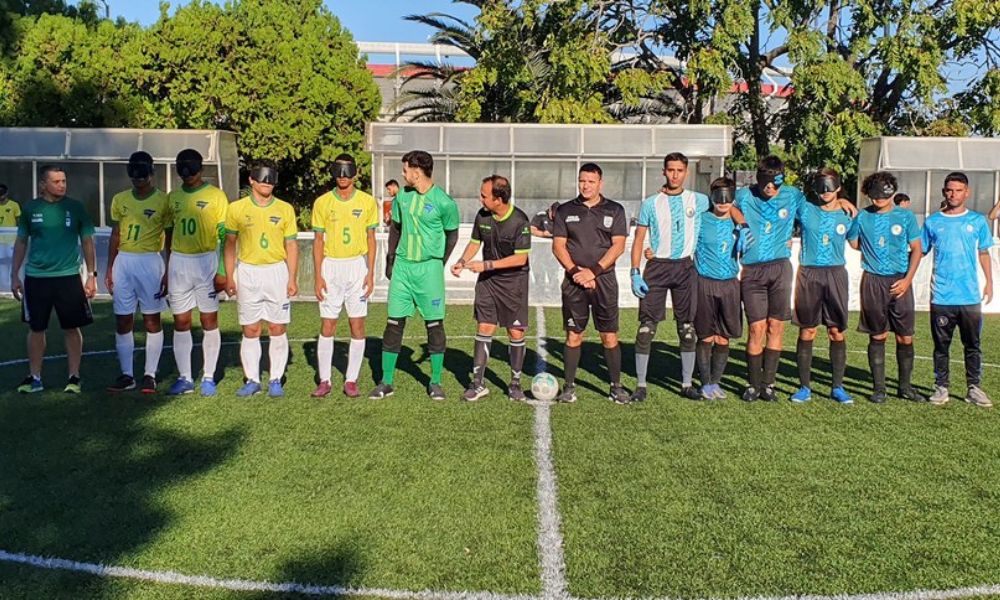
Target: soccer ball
[{"x": 544, "y": 387}]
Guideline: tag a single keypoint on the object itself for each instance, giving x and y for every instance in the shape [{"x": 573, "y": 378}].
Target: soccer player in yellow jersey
[
  {"x": 199, "y": 213},
  {"x": 9, "y": 213},
  {"x": 141, "y": 227},
  {"x": 343, "y": 222},
  {"x": 266, "y": 273}
]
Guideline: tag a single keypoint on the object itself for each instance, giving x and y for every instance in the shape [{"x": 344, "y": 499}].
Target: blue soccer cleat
[
  {"x": 181, "y": 386},
  {"x": 249, "y": 388},
  {"x": 207, "y": 387},
  {"x": 274, "y": 389},
  {"x": 803, "y": 395},
  {"x": 840, "y": 396}
]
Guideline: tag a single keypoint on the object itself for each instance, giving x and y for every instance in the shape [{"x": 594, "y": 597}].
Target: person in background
[
  {"x": 391, "y": 190},
  {"x": 542, "y": 223}
]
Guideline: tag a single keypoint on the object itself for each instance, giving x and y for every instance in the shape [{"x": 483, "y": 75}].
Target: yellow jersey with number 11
[{"x": 141, "y": 221}]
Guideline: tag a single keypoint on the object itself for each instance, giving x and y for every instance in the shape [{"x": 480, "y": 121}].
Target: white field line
[{"x": 550, "y": 541}]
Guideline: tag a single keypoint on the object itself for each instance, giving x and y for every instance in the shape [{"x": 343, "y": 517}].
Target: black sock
[
  {"x": 771, "y": 358},
  {"x": 720, "y": 356},
  {"x": 876, "y": 362},
  {"x": 480, "y": 356},
  {"x": 572, "y": 361},
  {"x": 755, "y": 371},
  {"x": 904, "y": 358},
  {"x": 703, "y": 352},
  {"x": 804, "y": 358},
  {"x": 838, "y": 362},
  {"x": 517, "y": 351},
  {"x": 613, "y": 358}
]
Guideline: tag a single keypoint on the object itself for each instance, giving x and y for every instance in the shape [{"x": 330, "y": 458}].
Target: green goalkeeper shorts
[{"x": 417, "y": 285}]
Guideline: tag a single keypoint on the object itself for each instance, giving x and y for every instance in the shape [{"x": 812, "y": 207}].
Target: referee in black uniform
[
  {"x": 588, "y": 237},
  {"x": 502, "y": 231}
]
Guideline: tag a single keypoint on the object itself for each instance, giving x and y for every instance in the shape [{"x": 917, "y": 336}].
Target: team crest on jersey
[
  {"x": 428, "y": 208},
  {"x": 608, "y": 221},
  {"x": 689, "y": 212},
  {"x": 841, "y": 229},
  {"x": 356, "y": 212},
  {"x": 897, "y": 229},
  {"x": 149, "y": 212},
  {"x": 942, "y": 320},
  {"x": 201, "y": 204},
  {"x": 783, "y": 213},
  {"x": 275, "y": 220},
  {"x": 968, "y": 228}
]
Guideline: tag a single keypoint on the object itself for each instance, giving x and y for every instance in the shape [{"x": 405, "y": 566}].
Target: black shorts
[
  {"x": 881, "y": 311},
  {"x": 578, "y": 303},
  {"x": 65, "y": 294},
  {"x": 719, "y": 311},
  {"x": 503, "y": 300},
  {"x": 821, "y": 297},
  {"x": 767, "y": 290},
  {"x": 680, "y": 278}
]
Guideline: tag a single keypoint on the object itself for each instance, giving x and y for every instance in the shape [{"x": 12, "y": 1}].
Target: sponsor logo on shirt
[
  {"x": 608, "y": 221},
  {"x": 572, "y": 219},
  {"x": 149, "y": 212},
  {"x": 356, "y": 212},
  {"x": 201, "y": 204},
  {"x": 897, "y": 229},
  {"x": 37, "y": 218},
  {"x": 275, "y": 220}
]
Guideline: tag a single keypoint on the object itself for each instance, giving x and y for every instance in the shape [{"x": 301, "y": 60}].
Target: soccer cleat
[
  {"x": 708, "y": 391},
  {"x": 718, "y": 392},
  {"x": 514, "y": 391},
  {"x": 568, "y": 394},
  {"x": 768, "y": 394},
  {"x": 30, "y": 385},
  {"x": 382, "y": 390},
  {"x": 877, "y": 397},
  {"x": 618, "y": 395},
  {"x": 908, "y": 393},
  {"x": 181, "y": 386},
  {"x": 475, "y": 392},
  {"x": 351, "y": 389},
  {"x": 124, "y": 383},
  {"x": 435, "y": 391},
  {"x": 207, "y": 387},
  {"x": 322, "y": 390},
  {"x": 639, "y": 395},
  {"x": 274, "y": 388},
  {"x": 690, "y": 393},
  {"x": 250, "y": 388},
  {"x": 750, "y": 394},
  {"x": 840, "y": 396},
  {"x": 148, "y": 384},
  {"x": 72, "y": 385},
  {"x": 977, "y": 396},
  {"x": 940, "y": 396},
  {"x": 804, "y": 394}
]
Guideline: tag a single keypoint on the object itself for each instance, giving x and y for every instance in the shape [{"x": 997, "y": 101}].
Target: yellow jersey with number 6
[
  {"x": 141, "y": 221},
  {"x": 199, "y": 215},
  {"x": 261, "y": 231},
  {"x": 345, "y": 223}
]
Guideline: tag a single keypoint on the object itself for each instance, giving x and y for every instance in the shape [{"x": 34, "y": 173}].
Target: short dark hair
[
  {"x": 592, "y": 168},
  {"x": 901, "y": 198},
  {"x": 189, "y": 155},
  {"x": 43, "y": 172},
  {"x": 771, "y": 163},
  {"x": 957, "y": 176},
  {"x": 345, "y": 157},
  {"x": 500, "y": 187},
  {"x": 675, "y": 157},
  {"x": 391, "y": 182},
  {"x": 3, "y": 188},
  {"x": 418, "y": 159},
  {"x": 878, "y": 179},
  {"x": 828, "y": 172},
  {"x": 721, "y": 182}
]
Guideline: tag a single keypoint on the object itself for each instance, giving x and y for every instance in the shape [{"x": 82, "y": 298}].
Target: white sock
[
  {"x": 182, "y": 353},
  {"x": 278, "y": 353},
  {"x": 154, "y": 347},
  {"x": 250, "y": 356},
  {"x": 354, "y": 357},
  {"x": 125, "y": 345},
  {"x": 324, "y": 357},
  {"x": 210, "y": 346}
]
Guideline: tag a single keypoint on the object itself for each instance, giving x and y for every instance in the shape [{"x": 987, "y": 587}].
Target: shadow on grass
[{"x": 336, "y": 566}]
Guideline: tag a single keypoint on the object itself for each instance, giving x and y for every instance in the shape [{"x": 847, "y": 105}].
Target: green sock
[
  {"x": 437, "y": 366},
  {"x": 388, "y": 366}
]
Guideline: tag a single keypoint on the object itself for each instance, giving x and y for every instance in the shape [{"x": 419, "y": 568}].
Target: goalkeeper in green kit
[{"x": 422, "y": 234}]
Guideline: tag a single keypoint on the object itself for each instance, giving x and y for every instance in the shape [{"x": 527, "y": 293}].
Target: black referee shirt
[
  {"x": 502, "y": 237},
  {"x": 588, "y": 231}
]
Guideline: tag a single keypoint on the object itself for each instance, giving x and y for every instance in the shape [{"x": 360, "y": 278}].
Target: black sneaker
[
  {"x": 877, "y": 397},
  {"x": 912, "y": 395},
  {"x": 639, "y": 395},
  {"x": 568, "y": 395},
  {"x": 618, "y": 395},
  {"x": 690, "y": 393},
  {"x": 474, "y": 392},
  {"x": 435, "y": 391},
  {"x": 382, "y": 390},
  {"x": 750, "y": 394},
  {"x": 124, "y": 383},
  {"x": 768, "y": 394},
  {"x": 148, "y": 384},
  {"x": 514, "y": 391}
]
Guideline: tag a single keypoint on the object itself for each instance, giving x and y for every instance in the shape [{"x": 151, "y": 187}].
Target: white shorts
[
  {"x": 262, "y": 294},
  {"x": 345, "y": 286},
  {"x": 192, "y": 282},
  {"x": 137, "y": 283}
]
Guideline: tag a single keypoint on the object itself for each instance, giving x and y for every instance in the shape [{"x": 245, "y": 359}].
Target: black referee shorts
[
  {"x": 64, "y": 294},
  {"x": 767, "y": 290},
  {"x": 719, "y": 311},
  {"x": 881, "y": 311},
  {"x": 503, "y": 300},
  {"x": 680, "y": 278},
  {"x": 578, "y": 303},
  {"x": 821, "y": 297}
]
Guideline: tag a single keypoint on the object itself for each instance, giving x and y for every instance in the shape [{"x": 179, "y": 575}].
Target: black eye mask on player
[
  {"x": 825, "y": 184},
  {"x": 880, "y": 192},
  {"x": 344, "y": 169},
  {"x": 723, "y": 195},
  {"x": 188, "y": 168},
  {"x": 139, "y": 170},
  {"x": 265, "y": 174},
  {"x": 766, "y": 177}
]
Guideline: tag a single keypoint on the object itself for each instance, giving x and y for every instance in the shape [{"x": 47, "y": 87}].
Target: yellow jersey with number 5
[
  {"x": 198, "y": 215},
  {"x": 345, "y": 223},
  {"x": 261, "y": 231},
  {"x": 141, "y": 221}
]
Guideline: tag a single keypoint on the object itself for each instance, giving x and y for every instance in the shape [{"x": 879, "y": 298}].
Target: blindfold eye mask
[
  {"x": 826, "y": 184},
  {"x": 188, "y": 168},
  {"x": 766, "y": 177},
  {"x": 344, "y": 169},
  {"x": 265, "y": 175},
  {"x": 723, "y": 195},
  {"x": 881, "y": 191},
  {"x": 139, "y": 170}
]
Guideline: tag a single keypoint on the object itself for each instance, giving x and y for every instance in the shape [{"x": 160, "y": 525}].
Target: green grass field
[{"x": 671, "y": 497}]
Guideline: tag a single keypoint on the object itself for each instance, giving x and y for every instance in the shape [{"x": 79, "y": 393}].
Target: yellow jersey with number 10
[
  {"x": 198, "y": 214},
  {"x": 261, "y": 231},
  {"x": 141, "y": 221},
  {"x": 345, "y": 223}
]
